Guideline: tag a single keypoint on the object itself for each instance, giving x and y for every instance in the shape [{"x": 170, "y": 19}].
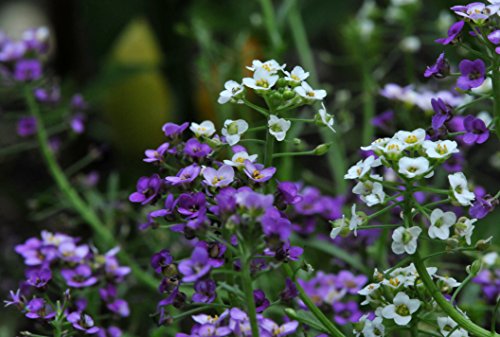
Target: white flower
[
  {"x": 261, "y": 80},
  {"x": 441, "y": 223},
  {"x": 413, "y": 167},
  {"x": 368, "y": 291},
  {"x": 233, "y": 130},
  {"x": 377, "y": 144},
  {"x": 326, "y": 118},
  {"x": 372, "y": 193},
  {"x": 307, "y": 92},
  {"x": 393, "y": 148},
  {"x": 460, "y": 190},
  {"x": 362, "y": 167},
  {"x": 401, "y": 309},
  {"x": 205, "y": 129},
  {"x": 297, "y": 75},
  {"x": 490, "y": 258},
  {"x": 449, "y": 281},
  {"x": 411, "y": 138},
  {"x": 446, "y": 324},
  {"x": 238, "y": 159},
  {"x": 374, "y": 328},
  {"x": 270, "y": 66},
  {"x": 278, "y": 127},
  {"x": 233, "y": 89},
  {"x": 440, "y": 149},
  {"x": 405, "y": 240},
  {"x": 355, "y": 221},
  {"x": 338, "y": 226},
  {"x": 464, "y": 228}
]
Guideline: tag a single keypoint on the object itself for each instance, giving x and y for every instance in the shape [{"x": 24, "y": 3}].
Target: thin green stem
[
  {"x": 107, "y": 239},
  {"x": 292, "y": 154},
  {"x": 327, "y": 324},
  {"x": 447, "y": 306},
  {"x": 246, "y": 281},
  {"x": 462, "y": 285},
  {"x": 496, "y": 95}
]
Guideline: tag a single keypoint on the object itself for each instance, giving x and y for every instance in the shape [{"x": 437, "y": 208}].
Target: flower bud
[
  {"x": 297, "y": 141},
  {"x": 483, "y": 245},
  {"x": 475, "y": 267},
  {"x": 281, "y": 83},
  {"x": 288, "y": 94},
  {"x": 321, "y": 149}
]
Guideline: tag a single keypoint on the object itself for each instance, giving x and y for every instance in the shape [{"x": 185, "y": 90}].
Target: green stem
[
  {"x": 246, "y": 281},
  {"x": 327, "y": 324},
  {"x": 447, "y": 307},
  {"x": 460, "y": 287},
  {"x": 292, "y": 154},
  {"x": 268, "y": 155},
  {"x": 75, "y": 200}
]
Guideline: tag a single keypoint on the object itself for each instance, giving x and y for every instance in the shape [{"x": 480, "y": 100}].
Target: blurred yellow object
[{"x": 140, "y": 104}]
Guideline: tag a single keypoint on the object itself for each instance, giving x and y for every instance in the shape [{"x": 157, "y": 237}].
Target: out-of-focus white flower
[
  {"x": 339, "y": 225},
  {"x": 404, "y": 240},
  {"x": 441, "y": 223},
  {"x": 326, "y": 118},
  {"x": 374, "y": 328},
  {"x": 446, "y": 324},
  {"x": 278, "y": 127},
  {"x": 233, "y": 130},
  {"x": 205, "y": 128},
  {"x": 355, "y": 220},
  {"x": 490, "y": 258},
  {"x": 270, "y": 66},
  {"x": 464, "y": 228},
  {"x": 460, "y": 190},
  {"x": 371, "y": 193},
  {"x": 410, "y": 44},
  {"x": 449, "y": 281},
  {"x": 368, "y": 291}
]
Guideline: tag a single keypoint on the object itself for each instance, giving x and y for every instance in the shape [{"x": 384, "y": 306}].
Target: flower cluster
[
  {"x": 60, "y": 273},
  {"x": 235, "y": 322}
]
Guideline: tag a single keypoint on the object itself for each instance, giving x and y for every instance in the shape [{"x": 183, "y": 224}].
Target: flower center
[
  {"x": 402, "y": 310},
  {"x": 441, "y": 149},
  {"x": 232, "y": 128},
  {"x": 257, "y": 175},
  {"x": 262, "y": 83},
  {"x": 406, "y": 237},
  {"x": 411, "y": 139},
  {"x": 310, "y": 93},
  {"x": 276, "y": 128}
]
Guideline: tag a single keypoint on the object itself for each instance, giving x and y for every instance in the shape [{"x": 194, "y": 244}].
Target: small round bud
[
  {"x": 281, "y": 83},
  {"x": 297, "y": 141},
  {"x": 288, "y": 94},
  {"x": 475, "y": 267}
]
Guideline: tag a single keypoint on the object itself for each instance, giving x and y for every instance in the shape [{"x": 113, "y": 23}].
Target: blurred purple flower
[
  {"x": 453, "y": 33},
  {"x": 26, "y": 126}
]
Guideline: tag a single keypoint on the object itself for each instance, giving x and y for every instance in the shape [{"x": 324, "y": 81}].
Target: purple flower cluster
[
  {"x": 489, "y": 280},
  {"x": 334, "y": 294},
  {"x": 235, "y": 322},
  {"x": 62, "y": 262}
]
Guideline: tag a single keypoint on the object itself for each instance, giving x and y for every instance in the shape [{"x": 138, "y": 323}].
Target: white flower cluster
[
  {"x": 281, "y": 89},
  {"x": 397, "y": 297}
]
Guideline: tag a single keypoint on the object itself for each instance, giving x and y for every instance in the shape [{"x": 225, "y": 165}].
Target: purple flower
[
  {"x": 347, "y": 280},
  {"x": 26, "y": 126},
  {"x": 453, "y": 33},
  {"x": 455, "y": 163},
  {"x": 439, "y": 69},
  {"x": 204, "y": 291},
  {"x": 475, "y": 130},
  {"x": 195, "y": 149},
  {"x": 50, "y": 95},
  {"x": 156, "y": 155},
  {"x": 494, "y": 36},
  {"x": 257, "y": 172},
  {"x": 38, "y": 277},
  {"x": 384, "y": 120},
  {"x": 80, "y": 277},
  {"x": 114, "y": 304},
  {"x": 472, "y": 74},
  {"x": 70, "y": 252},
  {"x": 218, "y": 178},
  {"x": 253, "y": 201},
  {"x": 35, "y": 253},
  {"x": 285, "y": 252},
  {"x": 287, "y": 193},
  {"x": 27, "y": 70},
  {"x": 261, "y": 302},
  {"x": 276, "y": 330},
  {"x": 490, "y": 283},
  {"x": 191, "y": 204},
  {"x": 476, "y": 11},
  {"x": 112, "y": 331},
  {"x": 482, "y": 206},
  {"x": 78, "y": 103},
  {"x": 275, "y": 225},
  {"x": 173, "y": 130},
  {"x": 225, "y": 201},
  {"x": 38, "y": 308},
  {"x": 310, "y": 203},
  {"x": 77, "y": 123},
  {"x": 161, "y": 260},
  {"x": 186, "y": 175},
  {"x": 148, "y": 189},
  {"x": 443, "y": 113},
  {"x": 347, "y": 312},
  {"x": 197, "y": 266},
  {"x": 290, "y": 292},
  {"x": 112, "y": 268},
  {"x": 15, "y": 299},
  {"x": 82, "y": 322}
]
